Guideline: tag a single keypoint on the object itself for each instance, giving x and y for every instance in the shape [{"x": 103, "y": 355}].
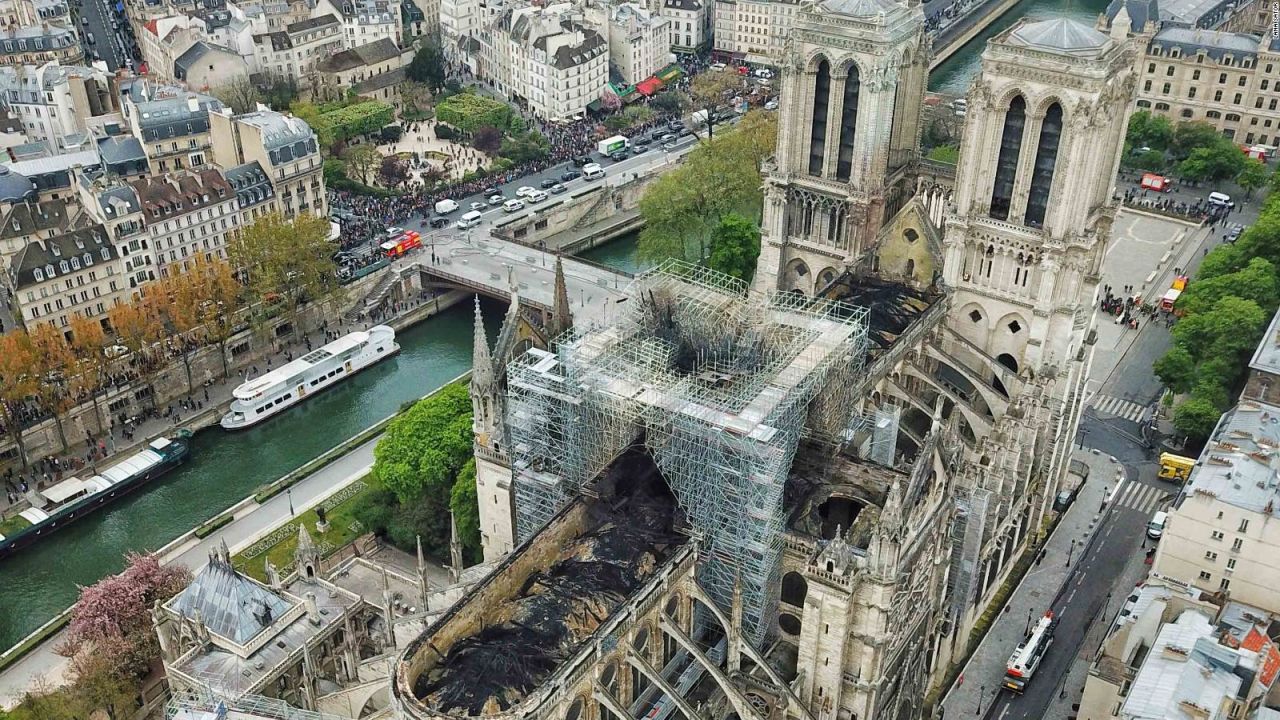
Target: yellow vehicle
[{"x": 1175, "y": 467}]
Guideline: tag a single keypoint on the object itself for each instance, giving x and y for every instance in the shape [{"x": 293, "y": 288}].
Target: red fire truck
[{"x": 401, "y": 244}]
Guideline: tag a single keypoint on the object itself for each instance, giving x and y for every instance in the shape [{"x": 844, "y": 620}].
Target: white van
[
  {"x": 469, "y": 220},
  {"x": 446, "y": 206},
  {"x": 512, "y": 206},
  {"x": 537, "y": 196},
  {"x": 592, "y": 171},
  {"x": 1155, "y": 528},
  {"x": 1220, "y": 199}
]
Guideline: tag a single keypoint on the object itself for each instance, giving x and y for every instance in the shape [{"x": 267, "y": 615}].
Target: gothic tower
[
  {"x": 853, "y": 80},
  {"x": 1024, "y": 244},
  {"x": 1033, "y": 209}
]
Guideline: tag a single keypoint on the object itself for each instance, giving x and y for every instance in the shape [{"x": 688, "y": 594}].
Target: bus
[
  {"x": 1026, "y": 658},
  {"x": 401, "y": 244}
]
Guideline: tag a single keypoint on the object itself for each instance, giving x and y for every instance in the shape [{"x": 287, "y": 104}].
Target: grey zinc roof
[
  {"x": 121, "y": 149},
  {"x": 1177, "y": 671},
  {"x": 230, "y": 605},
  {"x": 1140, "y": 12},
  {"x": 860, "y": 8},
  {"x": 1214, "y": 43},
  {"x": 1060, "y": 35},
  {"x": 1239, "y": 464},
  {"x": 282, "y": 135},
  {"x": 1267, "y": 357},
  {"x": 251, "y": 184},
  {"x": 85, "y": 245},
  {"x": 1191, "y": 12},
  {"x": 14, "y": 186}
]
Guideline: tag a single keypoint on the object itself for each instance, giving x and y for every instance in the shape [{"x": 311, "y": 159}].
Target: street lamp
[
  {"x": 288, "y": 493},
  {"x": 1083, "y": 433},
  {"x": 1071, "y": 550},
  {"x": 982, "y": 690}
]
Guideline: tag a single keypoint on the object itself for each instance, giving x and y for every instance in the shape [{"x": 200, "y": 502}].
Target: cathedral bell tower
[
  {"x": 1033, "y": 210},
  {"x": 853, "y": 80}
]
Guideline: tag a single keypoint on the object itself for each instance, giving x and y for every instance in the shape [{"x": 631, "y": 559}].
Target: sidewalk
[{"x": 979, "y": 680}]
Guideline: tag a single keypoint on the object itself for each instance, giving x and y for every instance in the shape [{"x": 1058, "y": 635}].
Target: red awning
[{"x": 649, "y": 87}]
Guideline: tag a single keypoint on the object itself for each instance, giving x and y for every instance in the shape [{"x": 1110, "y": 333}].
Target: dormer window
[
  {"x": 38, "y": 274},
  {"x": 57, "y": 251},
  {"x": 88, "y": 259},
  {"x": 75, "y": 263},
  {"x": 64, "y": 267},
  {"x": 80, "y": 243},
  {"x": 106, "y": 254}
]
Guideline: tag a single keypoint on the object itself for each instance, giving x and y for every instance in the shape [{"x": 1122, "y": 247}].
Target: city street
[{"x": 108, "y": 43}]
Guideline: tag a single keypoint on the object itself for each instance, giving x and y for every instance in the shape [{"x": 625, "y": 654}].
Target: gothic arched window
[
  {"x": 818, "y": 131},
  {"x": 1042, "y": 173},
  {"x": 1007, "y": 163},
  {"x": 848, "y": 122}
]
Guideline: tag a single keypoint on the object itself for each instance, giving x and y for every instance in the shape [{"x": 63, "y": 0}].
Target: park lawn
[
  {"x": 338, "y": 535},
  {"x": 14, "y": 525}
]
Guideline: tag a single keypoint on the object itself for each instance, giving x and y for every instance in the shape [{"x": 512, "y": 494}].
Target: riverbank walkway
[{"x": 43, "y": 667}]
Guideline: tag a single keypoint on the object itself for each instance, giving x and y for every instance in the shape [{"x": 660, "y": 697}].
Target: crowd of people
[
  {"x": 940, "y": 20},
  {"x": 364, "y": 218}
]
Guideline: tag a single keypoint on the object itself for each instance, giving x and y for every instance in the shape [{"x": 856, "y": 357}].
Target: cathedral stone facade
[{"x": 978, "y": 292}]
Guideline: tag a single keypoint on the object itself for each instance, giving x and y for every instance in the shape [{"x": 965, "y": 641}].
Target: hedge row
[
  {"x": 210, "y": 527},
  {"x": 354, "y": 120}
]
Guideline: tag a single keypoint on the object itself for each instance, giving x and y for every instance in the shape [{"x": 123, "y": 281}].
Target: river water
[
  {"x": 42, "y": 580},
  {"x": 224, "y": 468},
  {"x": 954, "y": 76}
]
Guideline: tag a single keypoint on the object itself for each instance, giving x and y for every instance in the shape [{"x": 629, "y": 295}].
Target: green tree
[
  {"x": 1152, "y": 161},
  {"x": 286, "y": 263},
  {"x": 1149, "y": 130},
  {"x": 487, "y": 140},
  {"x": 1196, "y": 418},
  {"x": 468, "y": 112},
  {"x": 1256, "y": 281},
  {"x": 712, "y": 93},
  {"x": 1189, "y": 136},
  {"x": 1176, "y": 369},
  {"x": 719, "y": 177},
  {"x": 427, "y": 66},
  {"x": 669, "y": 102},
  {"x": 525, "y": 147},
  {"x": 735, "y": 246},
  {"x": 949, "y": 154},
  {"x": 425, "y": 447},
  {"x": 362, "y": 159},
  {"x": 1254, "y": 176},
  {"x": 465, "y": 505},
  {"x": 1218, "y": 162}
]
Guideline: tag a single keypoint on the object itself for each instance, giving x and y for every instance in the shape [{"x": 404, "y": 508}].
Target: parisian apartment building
[{"x": 139, "y": 192}]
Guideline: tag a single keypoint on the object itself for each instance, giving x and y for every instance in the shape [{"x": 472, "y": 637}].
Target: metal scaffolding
[{"x": 720, "y": 388}]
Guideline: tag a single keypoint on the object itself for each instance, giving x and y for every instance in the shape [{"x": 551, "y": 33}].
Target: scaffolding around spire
[{"x": 720, "y": 387}]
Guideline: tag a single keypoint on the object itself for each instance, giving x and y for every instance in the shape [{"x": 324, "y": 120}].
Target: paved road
[{"x": 111, "y": 45}]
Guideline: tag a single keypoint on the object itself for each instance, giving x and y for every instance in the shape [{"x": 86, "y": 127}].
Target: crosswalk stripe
[{"x": 1118, "y": 407}]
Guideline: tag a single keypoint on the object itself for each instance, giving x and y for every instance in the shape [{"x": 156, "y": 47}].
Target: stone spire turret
[
  {"x": 561, "y": 316},
  {"x": 423, "y": 587},
  {"x": 481, "y": 360},
  {"x": 455, "y": 549},
  {"x": 306, "y": 557}
]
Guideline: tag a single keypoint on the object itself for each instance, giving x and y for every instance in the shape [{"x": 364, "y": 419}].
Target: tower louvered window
[
  {"x": 1007, "y": 163},
  {"x": 1042, "y": 174},
  {"x": 821, "y": 101},
  {"x": 848, "y": 123}
]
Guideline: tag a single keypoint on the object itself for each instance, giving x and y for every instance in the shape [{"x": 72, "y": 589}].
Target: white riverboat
[{"x": 282, "y": 388}]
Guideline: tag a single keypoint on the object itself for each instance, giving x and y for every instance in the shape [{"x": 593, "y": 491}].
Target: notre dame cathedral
[{"x": 794, "y": 499}]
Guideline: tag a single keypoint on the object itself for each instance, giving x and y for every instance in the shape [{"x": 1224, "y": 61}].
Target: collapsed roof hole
[
  {"x": 838, "y": 512},
  {"x": 632, "y": 527}
]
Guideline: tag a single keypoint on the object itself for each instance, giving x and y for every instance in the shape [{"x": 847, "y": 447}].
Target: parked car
[
  {"x": 1064, "y": 500},
  {"x": 771, "y": 105},
  {"x": 478, "y": 206},
  {"x": 438, "y": 222},
  {"x": 557, "y": 189},
  {"x": 718, "y": 66},
  {"x": 636, "y": 150},
  {"x": 496, "y": 199},
  {"x": 568, "y": 175},
  {"x": 618, "y": 156},
  {"x": 524, "y": 191},
  {"x": 547, "y": 182},
  {"x": 581, "y": 160},
  {"x": 669, "y": 145}
]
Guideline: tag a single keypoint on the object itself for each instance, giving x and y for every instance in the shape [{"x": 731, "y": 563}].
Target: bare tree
[{"x": 239, "y": 94}]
